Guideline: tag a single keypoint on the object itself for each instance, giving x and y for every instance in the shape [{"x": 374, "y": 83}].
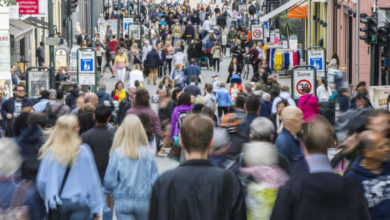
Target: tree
[{"x": 286, "y": 27}]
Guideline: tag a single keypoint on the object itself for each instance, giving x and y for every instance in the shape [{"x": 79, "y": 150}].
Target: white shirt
[
  {"x": 323, "y": 94},
  {"x": 180, "y": 58},
  {"x": 206, "y": 26},
  {"x": 135, "y": 75},
  {"x": 261, "y": 53}
]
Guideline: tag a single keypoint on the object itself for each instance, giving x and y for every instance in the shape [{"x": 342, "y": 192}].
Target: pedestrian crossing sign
[{"x": 86, "y": 65}]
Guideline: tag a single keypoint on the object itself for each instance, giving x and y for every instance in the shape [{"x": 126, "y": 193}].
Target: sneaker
[{"x": 113, "y": 76}]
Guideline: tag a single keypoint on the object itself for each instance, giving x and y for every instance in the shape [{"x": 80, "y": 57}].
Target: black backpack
[{"x": 52, "y": 116}]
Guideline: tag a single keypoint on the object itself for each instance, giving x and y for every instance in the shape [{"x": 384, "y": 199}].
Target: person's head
[
  {"x": 270, "y": 79},
  {"x": 45, "y": 94},
  {"x": 193, "y": 61},
  {"x": 261, "y": 153},
  {"x": 319, "y": 138},
  {"x": 280, "y": 106},
  {"x": 196, "y": 134},
  {"x": 259, "y": 44},
  {"x": 64, "y": 141},
  {"x": 361, "y": 84},
  {"x": 266, "y": 97},
  {"x": 130, "y": 136},
  {"x": 261, "y": 129},
  {"x": 374, "y": 147},
  {"x": 102, "y": 87},
  {"x": 102, "y": 114},
  {"x": 238, "y": 42},
  {"x": 334, "y": 56},
  {"x": 252, "y": 104},
  {"x": 264, "y": 63},
  {"x": 142, "y": 98},
  {"x": 184, "y": 99},
  {"x": 41, "y": 44},
  {"x": 166, "y": 80},
  {"x": 83, "y": 32},
  {"x": 119, "y": 85},
  {"x": 234, "y": 60},
  {"x": 19, "y": 91},
  {"x": 91, "y": 98},
  {"x": 262, "y": 71},
  {"x": 292, "y": 118},
  {"x": 361, "y": 101},
  {"x": 178, "y": 67},
  {"x": 379, "y": 121},
  {"x": 38, "y": 119},
  {"x": 240, "y": 102},
  {"x": 10, "y": 158},
  {"x": 80, "y": 102},
  {"x": 208, "y": 88}
]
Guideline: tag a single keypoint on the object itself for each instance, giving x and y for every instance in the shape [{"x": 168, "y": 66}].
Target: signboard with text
[
  {"x": 28, "y": 7},
  {"x": 36, "y": 79},
  {"x": 86, "y": 63},
  {"x": 303, "y": 79},
  {"x": 316, "y": 58},
  {"x": 257, "y": 32},
  {"x": 127, "y": 22}
]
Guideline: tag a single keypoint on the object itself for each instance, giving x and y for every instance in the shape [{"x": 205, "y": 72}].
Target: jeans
[
  {"x": 129, "y": 209},
  {"x": 73, "y": 211}
]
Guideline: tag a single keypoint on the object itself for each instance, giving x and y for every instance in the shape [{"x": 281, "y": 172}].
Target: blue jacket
[
  {"x": 126, "y": 178},
  {"x": 82, "y": 185},
  {"x": 223, "y": 97},
  {"x": 209, "y": 45},
  {"x": 104, "y": 96},
  {"x": 376, "y": 187},
  {"x": 153, "y": 59},
  {"x": 9, "y": 106},
  {"x": 192, "y": 70},
  {"x": 288, "y": 146}
]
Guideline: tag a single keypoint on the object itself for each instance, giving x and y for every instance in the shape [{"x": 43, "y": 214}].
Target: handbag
[
  {"x": 54, "y": 213},
  {"x": 16, "y": 209}
]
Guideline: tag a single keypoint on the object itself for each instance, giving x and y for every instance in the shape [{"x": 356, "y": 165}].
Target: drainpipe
[{"x": 357, "y": 31}]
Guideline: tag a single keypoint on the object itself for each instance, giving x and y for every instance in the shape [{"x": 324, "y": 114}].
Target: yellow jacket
[{"x": 278, "y": 61}]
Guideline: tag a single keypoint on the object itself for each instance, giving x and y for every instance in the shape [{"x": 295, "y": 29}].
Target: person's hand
[{"x": 9, "y": 116}]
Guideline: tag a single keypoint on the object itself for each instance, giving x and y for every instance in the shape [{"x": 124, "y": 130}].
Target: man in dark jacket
[
  {"x": 193, "y": 70},
  {"x": 320, "y": 194},
  {"x": 372, "y": 170},
  {"x": 192, "y": 88},
  {"x": 189, "y": 32},
  {"x": 71, "y": 98},
  {"x": 12, "y": 108},
  {"x": 238, "y": 51},
  {"x": 153, "y": 62},
  {"x": 40, "y": 53},
  {"x": 100, "y": 138},
  {"x": 197, "y": 189}
]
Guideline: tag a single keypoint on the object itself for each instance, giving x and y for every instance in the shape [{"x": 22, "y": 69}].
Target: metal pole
[
  {"x": 357, "y": 31},
  {"x": 51, "y": 47},
  {"x": 309, "y": 23},
  {"x": 119, "y": 22},
  {"x": 93, "y": 23}
]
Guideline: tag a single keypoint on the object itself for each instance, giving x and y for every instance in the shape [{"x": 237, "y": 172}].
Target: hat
[{"x": 214, "y": 75}]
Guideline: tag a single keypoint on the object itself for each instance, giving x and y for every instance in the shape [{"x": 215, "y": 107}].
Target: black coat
[
  {"x": 99, "y": 140},
  {"x": 189, "y": 31},
  {"x": 320, "y": 196},
  {"x": 80, "y": 39},
  {"x": 153, "y": 59},
  {"x": 193, "y": 191}
]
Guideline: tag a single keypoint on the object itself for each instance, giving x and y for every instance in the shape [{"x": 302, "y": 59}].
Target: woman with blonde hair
[
  {"x": 131, "y": 171},
  {"x": 67, "y": 179}
]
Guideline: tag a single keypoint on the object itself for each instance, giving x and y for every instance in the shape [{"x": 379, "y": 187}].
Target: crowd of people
[{"x": 245, "y": 151}]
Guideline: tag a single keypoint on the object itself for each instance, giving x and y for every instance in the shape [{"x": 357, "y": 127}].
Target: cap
[{"x": 214, "y": 75}]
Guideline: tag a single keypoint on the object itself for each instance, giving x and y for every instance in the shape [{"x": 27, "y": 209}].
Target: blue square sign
[
  {"x": 86, "y": 65},
  {"x": 317, "y": 62}
]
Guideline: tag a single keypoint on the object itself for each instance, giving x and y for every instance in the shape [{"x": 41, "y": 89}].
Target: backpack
[
  {"x": 178, "y": 79},
  {"x": 284, "y": 100},
  {"x": 52, "y": 116}
]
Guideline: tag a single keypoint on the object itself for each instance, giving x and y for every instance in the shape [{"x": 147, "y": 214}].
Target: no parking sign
[
  {"x": 304, "y": 78},
  {"x": 257, "y": 32}
]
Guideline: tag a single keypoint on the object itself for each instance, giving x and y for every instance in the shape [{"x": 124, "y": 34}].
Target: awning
[
  {"x": 298, "y": 12},
  {"x": 37, "y": 22},
  {"x": 281, "y": 9},
  {"x": 18, "y": 29}
]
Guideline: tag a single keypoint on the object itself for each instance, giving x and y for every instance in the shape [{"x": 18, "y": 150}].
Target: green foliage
[{"x": 286, "y": 26}]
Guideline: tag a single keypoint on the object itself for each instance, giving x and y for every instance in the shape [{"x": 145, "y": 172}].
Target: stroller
[{"x": 204, "y": 62}]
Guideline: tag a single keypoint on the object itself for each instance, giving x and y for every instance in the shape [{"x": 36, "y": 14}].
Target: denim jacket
[{"x": 126, "y": 178}]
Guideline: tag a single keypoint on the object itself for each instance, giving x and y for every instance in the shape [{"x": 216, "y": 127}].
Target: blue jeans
[
  {"x": 129, "y": 209},
  {"x": 74, "y": 211}
]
